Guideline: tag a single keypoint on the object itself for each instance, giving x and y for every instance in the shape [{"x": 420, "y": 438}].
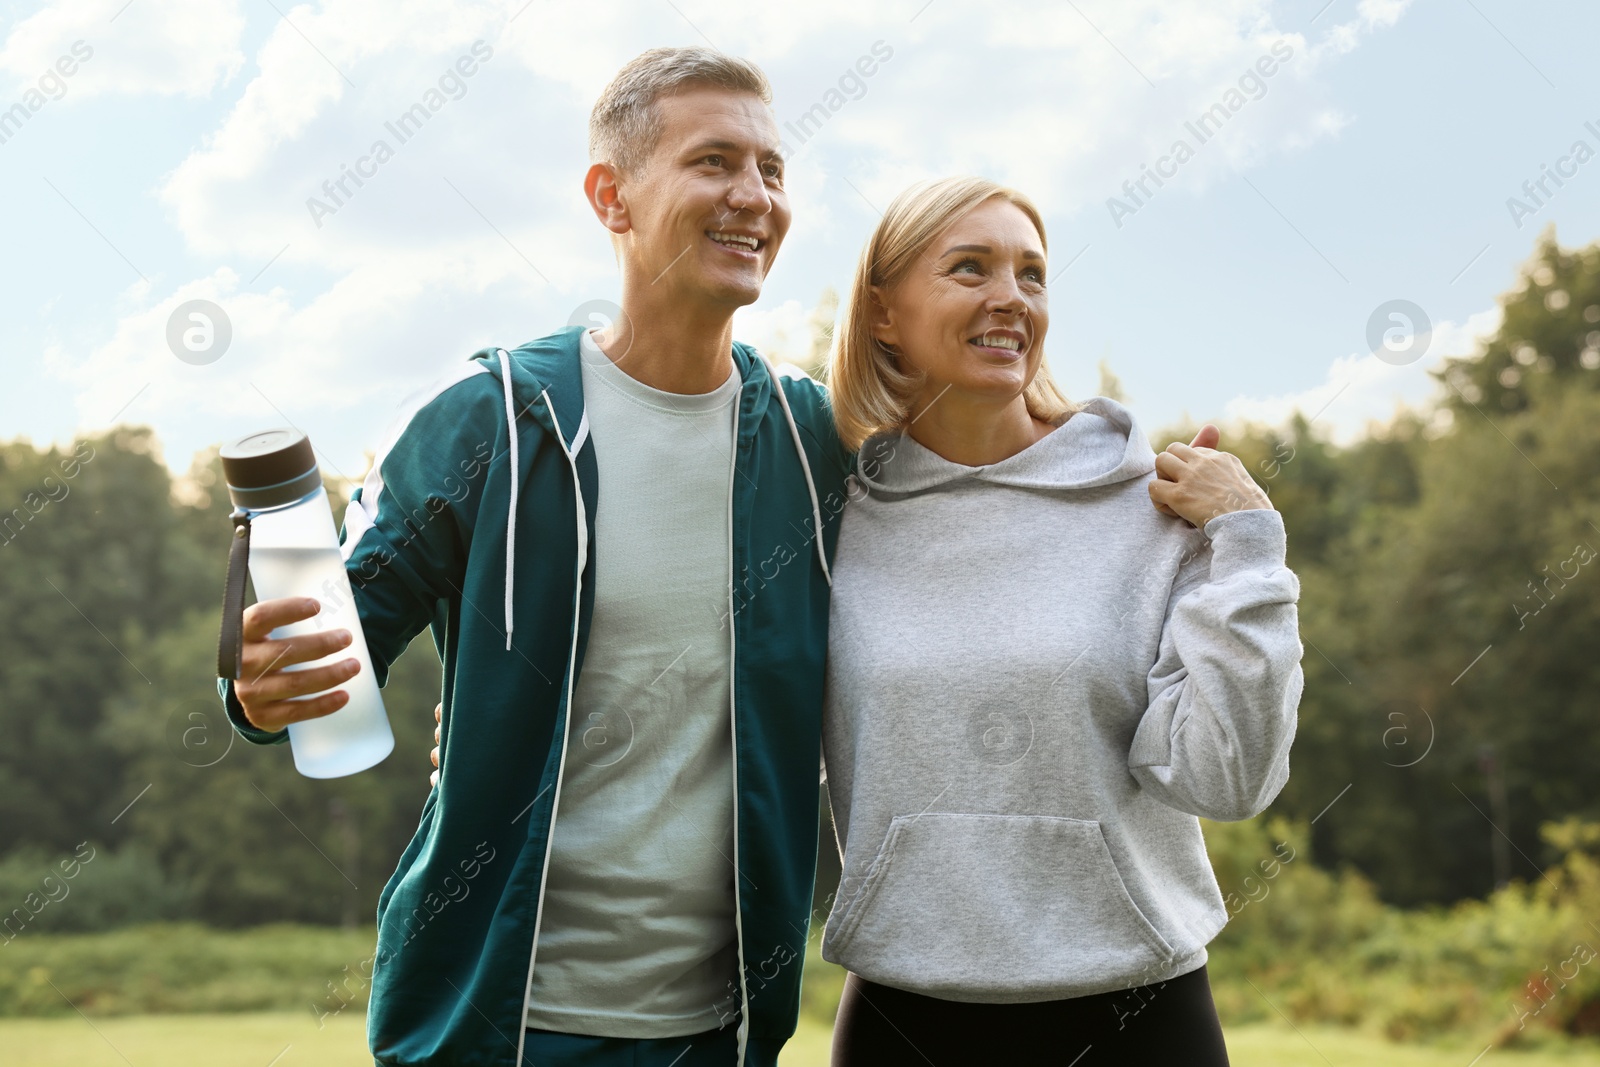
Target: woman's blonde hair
[{"x": 871, "y": 392}]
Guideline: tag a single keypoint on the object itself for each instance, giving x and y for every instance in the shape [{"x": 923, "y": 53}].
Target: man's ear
[
  {"x": 880, "y": 320},
  {"x": 603, "y": 189}
]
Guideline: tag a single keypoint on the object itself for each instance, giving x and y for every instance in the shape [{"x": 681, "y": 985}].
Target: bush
[
  {"x": 1513, "y": 968},
  {"x": 185, "y": 967},
  {"x": 90, "y": 888}
]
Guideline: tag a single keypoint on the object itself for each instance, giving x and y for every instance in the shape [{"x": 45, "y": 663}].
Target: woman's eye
[{"x": 964, "y": 264}]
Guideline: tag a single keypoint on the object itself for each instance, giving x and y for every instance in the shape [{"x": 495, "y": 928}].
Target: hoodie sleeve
[
  {"x": 1223, "y": 693},
  {"x": 407, "y": 527}
]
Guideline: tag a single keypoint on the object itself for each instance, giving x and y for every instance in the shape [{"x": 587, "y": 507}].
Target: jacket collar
[
  {"x": 546, "y": 383},
  {"x": 547, "y": 367},
  {"x": 550, "y": 365}
]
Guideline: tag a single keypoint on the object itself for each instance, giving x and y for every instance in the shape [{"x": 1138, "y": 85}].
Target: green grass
[
  {"x": 1267, "y": 1045},
  {"x": 184, "y": 968},
  {"x": 253, "y": 1040},
  {"x": 182, "y": 993}
]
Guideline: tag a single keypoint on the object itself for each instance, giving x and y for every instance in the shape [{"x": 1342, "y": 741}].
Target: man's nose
[{"x": 748, "y": 192}]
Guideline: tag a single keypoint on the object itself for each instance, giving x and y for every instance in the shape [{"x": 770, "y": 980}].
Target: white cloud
[
  {"x": 1085, "y": 106},
  {"x": 334, "y": 365},
  {"x": 174, "y": 47},
  {"x": 1371, "y": 15},
  {"x": 783, "y": 332},
  {"x": 1074, "y": 119},
  {"x": 1360, "y": 389}
]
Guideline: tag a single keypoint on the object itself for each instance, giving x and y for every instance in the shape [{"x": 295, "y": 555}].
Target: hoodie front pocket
[{"x": 997, "y": 907}]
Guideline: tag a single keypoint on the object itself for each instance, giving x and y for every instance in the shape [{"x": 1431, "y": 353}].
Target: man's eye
[{"x": 715, "y": 161}]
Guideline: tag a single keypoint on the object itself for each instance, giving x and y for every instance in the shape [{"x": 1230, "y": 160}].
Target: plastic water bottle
[{"x": 294, "y": 552}]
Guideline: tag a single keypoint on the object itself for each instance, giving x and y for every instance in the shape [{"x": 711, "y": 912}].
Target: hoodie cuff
[{"x": 1249, "y": 540}]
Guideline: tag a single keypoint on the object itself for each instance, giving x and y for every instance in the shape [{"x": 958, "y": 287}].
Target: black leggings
[{"x": 1171, "y": 1022}]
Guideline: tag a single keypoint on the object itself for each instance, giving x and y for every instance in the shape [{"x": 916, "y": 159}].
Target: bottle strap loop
[{"x": 230, "y": 640}]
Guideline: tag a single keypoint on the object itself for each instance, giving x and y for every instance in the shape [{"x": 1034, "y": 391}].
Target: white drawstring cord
[
  {"x": 511, "y": 517},
  {"x": 805, "y": 466}
]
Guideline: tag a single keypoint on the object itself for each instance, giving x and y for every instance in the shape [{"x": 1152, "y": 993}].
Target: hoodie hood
[{"x": 1099, "y": 444}]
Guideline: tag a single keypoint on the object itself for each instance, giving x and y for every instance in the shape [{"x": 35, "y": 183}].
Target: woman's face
[{"x": 971, "y": 314}]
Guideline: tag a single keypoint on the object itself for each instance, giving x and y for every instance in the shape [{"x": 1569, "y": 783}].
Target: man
[{"x": 620, "y": 541}]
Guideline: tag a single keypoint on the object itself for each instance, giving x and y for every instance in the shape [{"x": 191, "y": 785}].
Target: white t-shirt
[{"x": 637, "y": 937}]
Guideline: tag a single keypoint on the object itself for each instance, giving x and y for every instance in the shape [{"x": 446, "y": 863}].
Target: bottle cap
[{"x": 270, "y": 468}]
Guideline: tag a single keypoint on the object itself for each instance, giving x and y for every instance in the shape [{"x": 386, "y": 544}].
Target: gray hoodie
[{"x": 1035, "y": 683}]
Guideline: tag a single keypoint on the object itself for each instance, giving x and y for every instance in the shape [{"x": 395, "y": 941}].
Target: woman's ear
[{"x": 880, "y": 319}]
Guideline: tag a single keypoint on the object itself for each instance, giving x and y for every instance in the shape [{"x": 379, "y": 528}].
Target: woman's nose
[{"x": 1005, "y": 297}]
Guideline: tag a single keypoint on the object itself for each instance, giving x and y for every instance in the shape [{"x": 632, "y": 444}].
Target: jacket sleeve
[
  {"x": 407, "y": 527},
  {"x": 813, "y": 413},
  {"x": 1223, "y": 693}
]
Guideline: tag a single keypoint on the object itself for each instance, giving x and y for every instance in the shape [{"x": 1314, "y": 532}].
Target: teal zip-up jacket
[{"x": 478, "y": 520}]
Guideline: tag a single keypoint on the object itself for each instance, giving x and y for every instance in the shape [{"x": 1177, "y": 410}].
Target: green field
[
  {"x": 184, "y": 994},
  {"x": 281, "y": 1039}
]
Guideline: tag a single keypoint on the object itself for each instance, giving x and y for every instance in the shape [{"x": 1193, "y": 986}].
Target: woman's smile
[{"x": 1006, "y": 345}]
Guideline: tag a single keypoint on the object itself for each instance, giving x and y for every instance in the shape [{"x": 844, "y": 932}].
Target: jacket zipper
[
  {"x": 743, "y": 1033},
  {"x": 572, "y": 656},
  {"x": 572, "y": 653}
]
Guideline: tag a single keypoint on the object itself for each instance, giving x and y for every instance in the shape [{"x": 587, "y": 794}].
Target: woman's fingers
[
  {"x": 1199, "y": 484},
  {"x": 1162, "y": 506},
  {"x": 1190, "y": 453},
  {"x": 1205, "y": 441},
  {"x": 1162, "y": 494}
]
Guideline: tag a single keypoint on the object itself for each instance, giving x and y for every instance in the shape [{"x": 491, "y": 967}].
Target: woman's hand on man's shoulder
[{"x": 1196, "y": 482}]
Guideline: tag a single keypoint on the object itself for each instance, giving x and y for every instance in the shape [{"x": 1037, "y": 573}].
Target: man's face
[{"x": 707, "y": 211}]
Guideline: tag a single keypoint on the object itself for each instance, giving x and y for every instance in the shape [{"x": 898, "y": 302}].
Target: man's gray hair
[{"x": 625, "y": 125}]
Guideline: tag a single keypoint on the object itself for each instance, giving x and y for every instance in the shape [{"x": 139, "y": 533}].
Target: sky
[{"x": 1358, "y": 154}]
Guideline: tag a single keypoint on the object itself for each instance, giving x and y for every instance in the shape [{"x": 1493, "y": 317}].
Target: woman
[{"x": 1036, "y": 679}]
